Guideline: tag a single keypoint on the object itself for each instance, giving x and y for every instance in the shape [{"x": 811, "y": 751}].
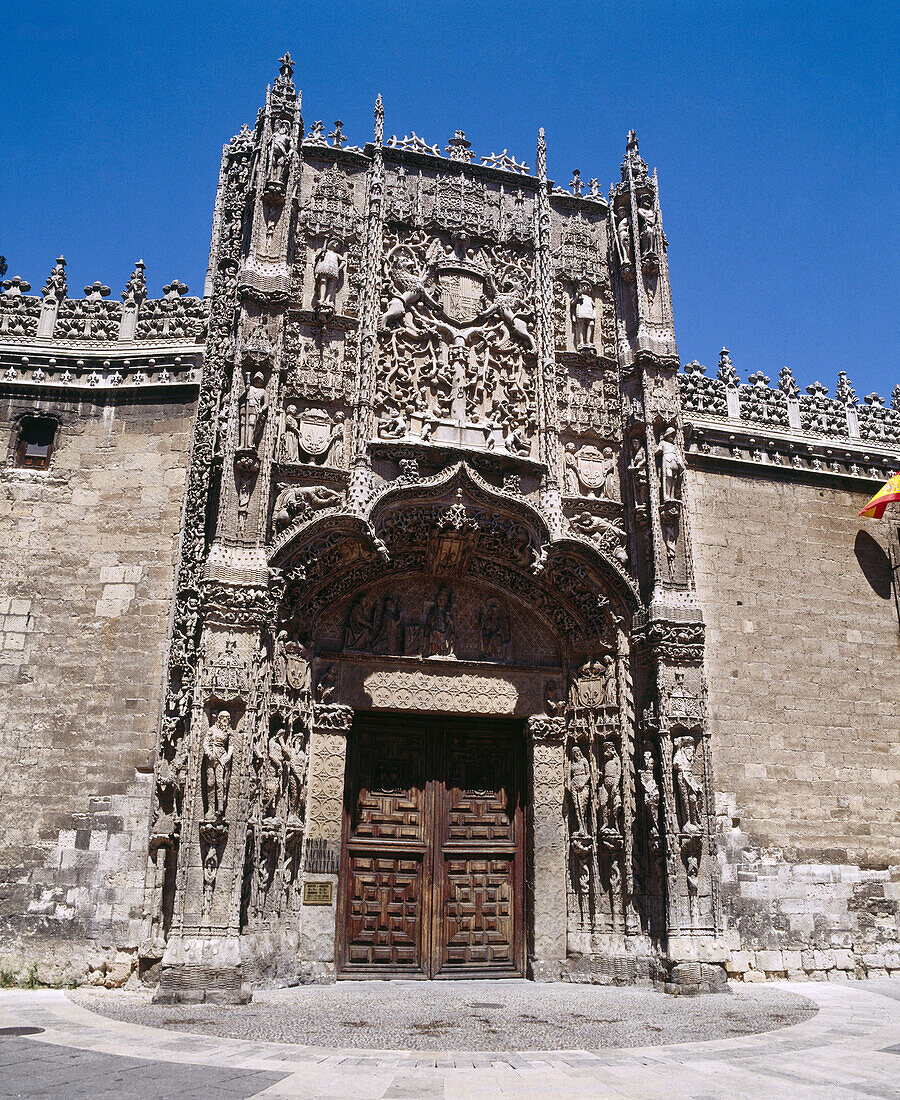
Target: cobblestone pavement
[
  {"x": 471, "y": 1016},
  {"x": 849, "y": 1048}
]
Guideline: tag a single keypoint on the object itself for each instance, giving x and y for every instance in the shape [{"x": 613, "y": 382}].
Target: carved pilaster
[{"x": 547, "y": 877}]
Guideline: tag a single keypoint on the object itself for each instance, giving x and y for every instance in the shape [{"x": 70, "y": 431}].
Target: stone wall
[
  {"x": 88, "y": 550},
  {"x": 805, "y": 715}
]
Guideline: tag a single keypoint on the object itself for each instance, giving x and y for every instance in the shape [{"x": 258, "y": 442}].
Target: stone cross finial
[{"x": 337, "y": 134}]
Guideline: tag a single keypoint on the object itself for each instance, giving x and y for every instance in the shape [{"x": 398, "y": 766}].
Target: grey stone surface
[{"x": 477, "y": 1016}]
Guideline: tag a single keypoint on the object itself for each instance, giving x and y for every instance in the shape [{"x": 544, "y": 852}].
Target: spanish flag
[{"x": 889, "y": 493}]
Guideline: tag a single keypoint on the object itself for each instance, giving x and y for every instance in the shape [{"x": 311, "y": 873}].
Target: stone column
[
  {"x": 547, "y": 866},
  {"x": 322, "y": 855}
]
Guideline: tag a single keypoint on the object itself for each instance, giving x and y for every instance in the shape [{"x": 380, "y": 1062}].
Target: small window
[{"x": 36, "y": 434}]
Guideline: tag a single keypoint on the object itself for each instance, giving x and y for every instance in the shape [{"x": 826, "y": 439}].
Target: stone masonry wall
[
  {"x": 87, "y": 558},
  {"x": 805, "y": 715}
]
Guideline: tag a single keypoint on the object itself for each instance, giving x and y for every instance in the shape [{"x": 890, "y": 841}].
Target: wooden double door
[{"x": 432, "y": 866}]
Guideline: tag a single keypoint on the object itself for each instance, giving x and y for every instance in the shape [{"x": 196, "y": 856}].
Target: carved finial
[
  {"x": 379, "y": 121},
  {"x": 56, "y": 286},
  {"x": 458, "y": 148},
  {"x": 844, "y": 392},
  {"x": 787, "y": 383},
  {"x": 136, "y": 287},
  {"x": 286, "y": 66},
  {"x": 633, "y": 159},
  {"x": 575, "y": 183},
  {"x": 726, "y": 372},
  {"x": 895, "y": 398},
  {"x": 541, "y": 155},
  {"x": 337, "y": 134}
]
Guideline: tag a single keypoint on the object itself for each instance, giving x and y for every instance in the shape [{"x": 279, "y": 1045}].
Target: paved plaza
[{"x": 460, "y": 1040}]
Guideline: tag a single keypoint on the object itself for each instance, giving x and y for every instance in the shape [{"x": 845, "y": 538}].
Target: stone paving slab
[{"x": 844, "y": 1051}]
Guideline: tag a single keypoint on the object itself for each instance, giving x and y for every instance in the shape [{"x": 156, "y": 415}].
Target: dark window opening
[{"x": 36, "y": 435}]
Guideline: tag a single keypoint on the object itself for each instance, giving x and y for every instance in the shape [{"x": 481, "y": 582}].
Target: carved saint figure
[
  {"x": 358, "y": 632},
  {"x": 650, "y": 787},
  {"x": 295, "y": 760},
  {"x": 494, "y": 632},
  {"x": 570, "y": 472},
  {"x": 290, "y": 435},
  {"x": 580, "y": 788},
  {"x": 638, "y": 470},
  {"x": 279, "y": 152},
  {"x": 584, "y": 316},
  {"x": 328, "y": 266},
  {"x": 210, "y": 869},
  {"x": 611, "y": 789},
  {"x": 623, "y": 238},
  {"x": 647, "y": 220},
  {"x": 389, "y": 636},
  {"x": 326, "y": 685},
  {"x": 254, "y": 410},
  {"x": 217, "y": 753},
  {"x": 671, "y": 464},
  {"x": 439, "y": 632},
  {"x": 687, "y": 786}
]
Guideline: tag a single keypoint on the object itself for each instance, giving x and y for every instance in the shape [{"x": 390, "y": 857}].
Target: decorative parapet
[
  {"x": 780, "y": 426},
  {"x": 55, "y": 317}
]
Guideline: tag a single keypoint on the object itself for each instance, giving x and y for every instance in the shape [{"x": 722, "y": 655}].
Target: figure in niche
[
  {"x": 610, "y": 790},
  {"x": 439, "y": 632},
  {"x": 494, "y": 632},
  {"x": 570, "y": 472},
  {"x": 638, "y": 470},
  {"x": 389, "y": 638},
  {"x": 650, "y": 787},
  {"x": 554, "y": 703},
  {"x": 692, "y": 872},
  {"x": 580, "y": 789},
  {"x": 610, "y": 475},
  {"x": 671, "y": 464},
  {"x": 210, "y": 870},
  {"x": 295, "y": 763},
  {"x": 328, "y": 267},
  {"x": 623, "y": 239},
  {"x": 358, "y": 632},
  {"x": 686, "y": 784},
  {"x": 265, "y": 873},
  {"x": 279, "y": 659},
  {"x": 584, "y": 316},
  {"x": 217, "y": 754},
  {"x": 254, "y": 410},
  {"x": 290, "y": 435},
  {"x": 279, "y": 152},
  {"x": 647, "y": 221},
  {"x": 273, "y": 773}
]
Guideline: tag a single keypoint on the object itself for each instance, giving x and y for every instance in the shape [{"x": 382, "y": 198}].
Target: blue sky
[{"x": 774, "y": 128}]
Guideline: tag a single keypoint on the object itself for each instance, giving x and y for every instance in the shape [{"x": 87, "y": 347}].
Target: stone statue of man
[
  {"x": 584, "y": 315},
  {"x": 611, "y": 789},
  {"x": 279, "y": 152},
  {"x": 580, "y": 788},
  {"x": 327, "y": 268},
  {"x": 217, "y": 753},
  {"x": 671, "y": 464},
  {"x": 686, "y": 784},
  {"x": 254, "y": 410}
]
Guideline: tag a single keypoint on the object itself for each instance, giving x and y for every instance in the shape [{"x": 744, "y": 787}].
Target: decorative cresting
[{"x": 437, "y": 467}]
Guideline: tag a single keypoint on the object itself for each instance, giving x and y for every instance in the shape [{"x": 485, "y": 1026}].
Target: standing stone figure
[
  {"x": 327, "y": 269},
  {"x": 686, "y": 784},
  {"x": 290, "y": 435},
  {"x": 638, "y": 470},
  {"x": 647, "y": 219},
  {"x": 623, "y": 237},
  {"x": 210, "y": 869},
  {"x": 580, "y": 788},
  {"x": 279, "y": 152},
  {"x": 494, "y": 632},
  {"x": 584, "y": 315},
  {"x": 650, "y": 788},
  {"x": 611, "y": 789},
  {"x": 440, "y": 629},
  {"x": 572, "y": 481},
  {"x": 668, "y": 458},
  {"x": 254, "y": 410},
  {"x": 217, "y": 753}
]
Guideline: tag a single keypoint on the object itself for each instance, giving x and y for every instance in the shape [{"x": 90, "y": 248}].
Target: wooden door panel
[
  {"x": 479, "y": 915},
  {"x": 384, "y": 920},
  {"x": 432, "y": 873}
]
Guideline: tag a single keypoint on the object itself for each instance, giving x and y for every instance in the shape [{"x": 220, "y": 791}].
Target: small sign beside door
[{"x": 318, "y": 893}]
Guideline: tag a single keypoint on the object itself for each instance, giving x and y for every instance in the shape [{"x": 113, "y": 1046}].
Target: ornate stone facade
[{"x": 441, "y": 464}]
